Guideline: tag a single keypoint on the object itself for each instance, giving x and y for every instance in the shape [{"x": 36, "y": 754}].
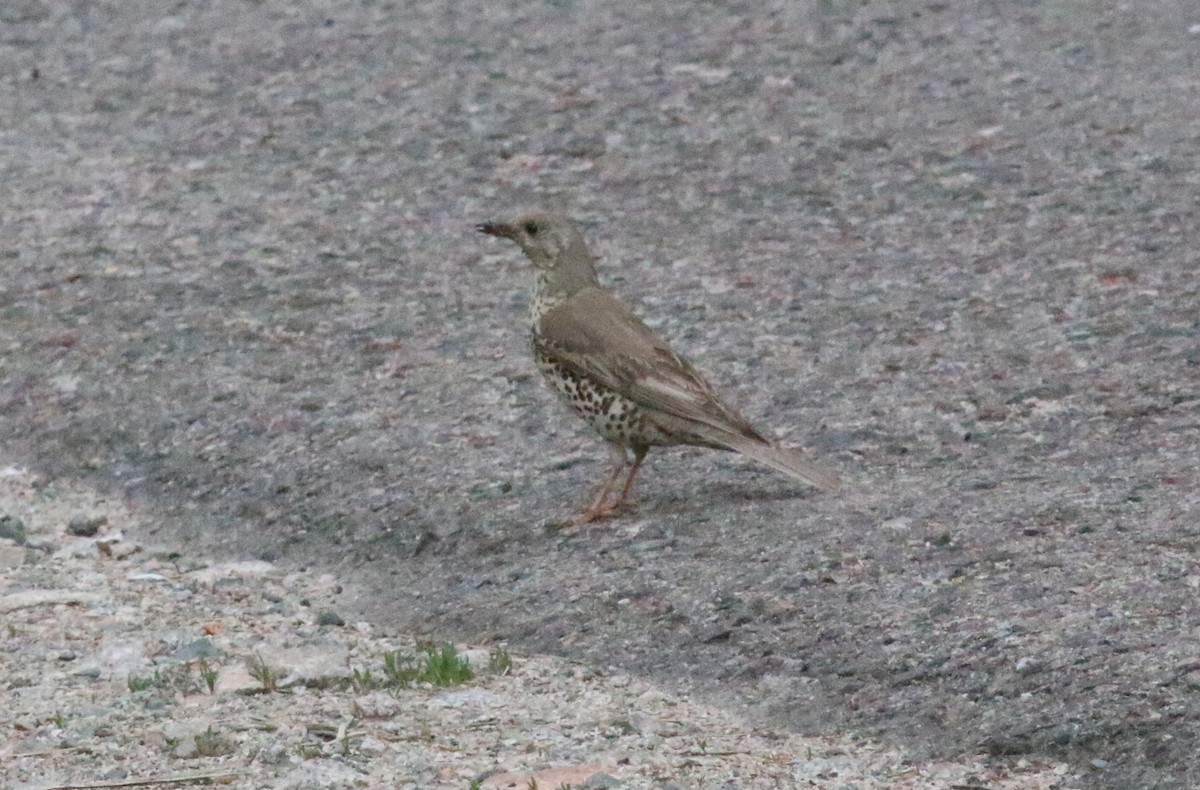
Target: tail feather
[
  {"x": 749, "y": 444},
  {"x": 785, "y": 461}
]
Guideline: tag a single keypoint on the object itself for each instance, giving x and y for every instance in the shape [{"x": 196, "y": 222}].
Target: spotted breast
[{"x": 616, "y": 418}]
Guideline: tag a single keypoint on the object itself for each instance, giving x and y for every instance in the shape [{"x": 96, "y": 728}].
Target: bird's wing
[{"x": 596, "y": 336}]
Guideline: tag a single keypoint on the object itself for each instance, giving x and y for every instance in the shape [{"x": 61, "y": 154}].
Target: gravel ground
[
  {"x": 947, "y": 248},
  {"x": 123, "y": 665}
]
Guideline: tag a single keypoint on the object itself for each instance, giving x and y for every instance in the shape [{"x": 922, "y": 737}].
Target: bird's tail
[{"x": 785, "y": 461}]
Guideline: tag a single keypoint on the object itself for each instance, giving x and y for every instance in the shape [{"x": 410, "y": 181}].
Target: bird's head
[
  {"x": 546, "y": 239},
  {"x": 553, "y": 244}
]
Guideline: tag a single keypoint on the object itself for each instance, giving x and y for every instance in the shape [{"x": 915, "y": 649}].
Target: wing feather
[{"x": 596, "y": 336}]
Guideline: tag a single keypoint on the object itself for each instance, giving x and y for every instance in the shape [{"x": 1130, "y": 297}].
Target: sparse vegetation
[
  {"x": 438, "y": 666},
  {"x": 348, "y": 744},
  {"x": 212, "y": 743},
  {"x": 499, "y": 661},
  {"x": 362, "y": 681},
  {"x": 533, "y": 785},
  {"x": 399, "y": 669},
  {"x": 267, "y": 677},
  {"x": 208, "y": 674},
  {"x": 138, "y": 683},
  {"x": 309, "y": 751},
  {"x": 175, "y": 677},
  {"x": 446, "y": 667}
]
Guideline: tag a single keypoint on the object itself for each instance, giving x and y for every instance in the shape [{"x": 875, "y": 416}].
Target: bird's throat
[{"x": 545, "y": 298}]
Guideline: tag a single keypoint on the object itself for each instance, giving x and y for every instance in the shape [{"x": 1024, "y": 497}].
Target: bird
[{"x": 617, "y": 374}]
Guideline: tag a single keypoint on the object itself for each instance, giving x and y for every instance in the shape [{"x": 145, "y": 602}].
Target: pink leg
[
  {"x": 639, "y": 456},
  {"x": 599, "y": 508}
]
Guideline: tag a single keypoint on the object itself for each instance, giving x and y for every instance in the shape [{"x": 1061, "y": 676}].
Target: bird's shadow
[
  {"x": 700, "y": 502},
  {"x": 722, "y": 494}
]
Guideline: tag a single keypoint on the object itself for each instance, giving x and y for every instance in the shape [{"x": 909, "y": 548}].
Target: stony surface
[
  {"x": 122, "y": 664},
  {"x": 948, "y": 248}
]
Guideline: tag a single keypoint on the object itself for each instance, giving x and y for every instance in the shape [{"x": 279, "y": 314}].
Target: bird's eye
[{"x": 531, "y": 228}]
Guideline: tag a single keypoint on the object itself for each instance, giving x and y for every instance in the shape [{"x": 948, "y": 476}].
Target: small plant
[
  {"x": 138, "y": 683},
  {"x": 268, "y": 678},
  {"x": 211, "y": 743},
  {"x": 399, "y": 670},
  {"x": 942, "y": 541},
  {"x": 533, "y": 785},
  {"x": 445, "y": 667},
  {"x": 362, "y": 681},
  {"x": 438, "y": 666},
  {"x": 60, "y": 720},
  {"x": 309, "y": 751},
  {"x": 208, "y": 674},
  {"x": 620, "y": 727},
  {"x": 349, "y": 744},
  {"x": 174, "y": 677},
  {"x": 499, "y": 661}
]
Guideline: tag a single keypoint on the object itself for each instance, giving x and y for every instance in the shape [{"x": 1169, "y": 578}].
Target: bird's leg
[
  {"x": 599, "y": 508},
  {"x": 639, "y": 455}
]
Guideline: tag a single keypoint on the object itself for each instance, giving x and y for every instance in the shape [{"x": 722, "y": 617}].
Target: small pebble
[
  {"x": 146, "y": 577},
  {"x": 82, "y": 527}
]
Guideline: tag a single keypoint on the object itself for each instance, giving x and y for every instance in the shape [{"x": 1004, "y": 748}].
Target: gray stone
[
  {"x": 82, "y": 527},
  {"x": 13, "y": 529},
  {"x": 329, "y": 617}
]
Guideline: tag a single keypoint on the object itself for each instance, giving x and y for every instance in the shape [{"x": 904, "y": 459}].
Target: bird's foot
[
  {"x": 593, "y": 513},
  {"x": 587, "y": 516}
]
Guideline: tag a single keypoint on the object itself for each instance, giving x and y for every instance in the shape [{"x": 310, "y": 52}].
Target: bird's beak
[{"x": 501, "y": 229}]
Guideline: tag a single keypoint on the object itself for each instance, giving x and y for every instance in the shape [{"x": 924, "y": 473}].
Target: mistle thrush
[{"x": 618, "y": 375}]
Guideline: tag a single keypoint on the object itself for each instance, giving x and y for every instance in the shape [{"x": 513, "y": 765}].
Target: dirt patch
[{"x": 125, "y": 664}]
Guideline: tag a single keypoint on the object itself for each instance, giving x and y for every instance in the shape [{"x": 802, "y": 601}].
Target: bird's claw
[{"x": 593, "y": 514}]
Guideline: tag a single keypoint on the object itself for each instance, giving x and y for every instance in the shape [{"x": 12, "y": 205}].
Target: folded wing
[{"x": 596, "y": 336}]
